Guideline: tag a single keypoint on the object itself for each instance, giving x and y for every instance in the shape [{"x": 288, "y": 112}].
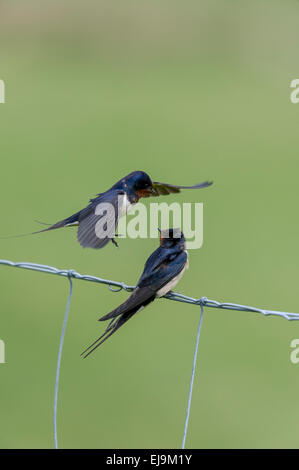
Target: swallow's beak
[{"x": 152, "y": 190}]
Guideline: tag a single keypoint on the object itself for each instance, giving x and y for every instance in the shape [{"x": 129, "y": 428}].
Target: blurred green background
[{"x": 186, "y": 91}]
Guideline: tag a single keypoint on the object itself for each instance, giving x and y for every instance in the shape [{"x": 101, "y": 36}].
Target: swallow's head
[
  {"x": 172, "y": 237},
  {"x": 140, "y": 182}
]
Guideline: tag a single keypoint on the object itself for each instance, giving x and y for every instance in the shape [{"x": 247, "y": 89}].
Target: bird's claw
[{"x": 114, "y": 242}]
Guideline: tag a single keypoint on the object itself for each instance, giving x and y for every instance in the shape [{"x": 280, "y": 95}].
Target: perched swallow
[
  {"x": 121, "y": 197},
  {"x": 162, "y": 271}
]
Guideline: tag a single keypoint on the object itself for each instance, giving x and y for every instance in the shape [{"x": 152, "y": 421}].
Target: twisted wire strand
[
  {"x": 59, "y": 361},
  {"x": 171, "y": 296},
  {"x": 192, "y": 378},
  {"x": 116, "y": 286}
]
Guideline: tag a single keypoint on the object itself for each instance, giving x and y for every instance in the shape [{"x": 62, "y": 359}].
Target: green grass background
[{"x": 186, "y": 92}]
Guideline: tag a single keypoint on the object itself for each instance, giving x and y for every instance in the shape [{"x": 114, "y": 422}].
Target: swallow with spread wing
[
  {"x": 162, "y": 271},
  {"x": 121, "y": 197}
]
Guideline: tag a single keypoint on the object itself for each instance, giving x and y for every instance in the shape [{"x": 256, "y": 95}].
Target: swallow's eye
[{"x": 145, "y": 185}]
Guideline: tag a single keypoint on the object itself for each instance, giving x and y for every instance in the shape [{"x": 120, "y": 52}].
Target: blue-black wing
[
  {"x": 99, "y": 220},
  {"x": 163, "y": 189},
  {"x": 161, "y": 267},
  {"x": 137, "y": 300}
]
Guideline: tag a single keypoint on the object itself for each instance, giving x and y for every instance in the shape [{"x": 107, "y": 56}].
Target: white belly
[
  {"x": 168, "y": 287},
  {"x": 124, "y": 205}
]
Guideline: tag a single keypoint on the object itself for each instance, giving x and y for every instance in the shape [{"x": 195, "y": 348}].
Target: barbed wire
[{"x": 175, "y": 296}]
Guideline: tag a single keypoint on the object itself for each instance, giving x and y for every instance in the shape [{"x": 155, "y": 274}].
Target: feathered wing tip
[
  {"x": 140, "y": 297},
  {"x": 162, "y": 189},
  {"x": 202, "y": 185}
]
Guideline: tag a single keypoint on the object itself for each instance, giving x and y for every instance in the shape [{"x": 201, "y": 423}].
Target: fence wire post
[
  {"x": 192, "y": 377},
  {"x": 59, "y": 357}
]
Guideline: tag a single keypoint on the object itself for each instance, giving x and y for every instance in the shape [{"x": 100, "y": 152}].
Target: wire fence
[{"x": 115, "y": 286}]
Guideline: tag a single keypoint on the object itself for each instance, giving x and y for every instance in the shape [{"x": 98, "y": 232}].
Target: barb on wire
[{"x": 115, "y": 286}]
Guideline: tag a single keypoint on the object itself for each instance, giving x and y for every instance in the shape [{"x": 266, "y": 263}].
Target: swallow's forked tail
[
  {"x": 113, "y": 326},
  {"x": 139, "y": 298},
  {"x": 68, "y": 222}
]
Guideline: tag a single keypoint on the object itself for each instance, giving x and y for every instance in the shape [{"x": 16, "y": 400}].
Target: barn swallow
[
  {"x": 162, "y": 271},
  {"x": 120, "y": 197}
]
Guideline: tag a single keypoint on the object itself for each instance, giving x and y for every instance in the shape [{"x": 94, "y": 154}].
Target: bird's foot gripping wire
[{"x": 114, "y": 242}]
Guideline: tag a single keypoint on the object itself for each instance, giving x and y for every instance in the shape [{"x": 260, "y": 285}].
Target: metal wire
[
  {"x": 171, "y": 296},
  {"x": 202, "y": 302},
  {"x": 59, "y": 361},
  {"x": 192, "y": 379}
]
